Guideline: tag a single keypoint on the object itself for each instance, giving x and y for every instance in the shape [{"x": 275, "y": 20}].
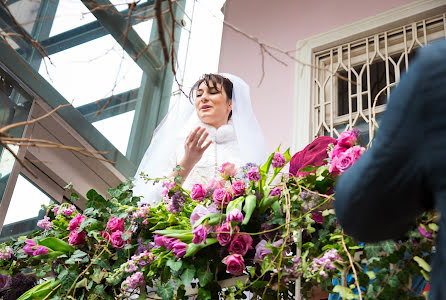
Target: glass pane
[
  {"x": 70, "y": 14},
  {"x": 26, "y": 202},
  {"x": 117, "y": 129},
  {"x": 93, "y": 71},
  {"x": 14, "y": 108}
]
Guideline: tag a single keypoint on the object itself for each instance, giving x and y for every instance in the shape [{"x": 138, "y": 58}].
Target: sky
[{"x": 100, "y": 68}]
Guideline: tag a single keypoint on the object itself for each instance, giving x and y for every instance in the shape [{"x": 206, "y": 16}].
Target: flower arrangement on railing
[{"x": 272, "y": 234}]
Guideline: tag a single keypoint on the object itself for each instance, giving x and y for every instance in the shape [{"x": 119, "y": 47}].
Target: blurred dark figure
[{"x": 403, "y": 174}]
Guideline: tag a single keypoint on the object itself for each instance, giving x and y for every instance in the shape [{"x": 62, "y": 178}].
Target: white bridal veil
[{"x": 159, "y": 159}]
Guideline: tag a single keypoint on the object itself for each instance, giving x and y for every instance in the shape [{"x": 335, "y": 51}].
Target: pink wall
[{"x": 282, "y": 23}]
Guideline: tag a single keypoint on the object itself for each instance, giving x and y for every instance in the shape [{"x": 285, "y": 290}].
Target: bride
[{"x": 218, "y": 127}]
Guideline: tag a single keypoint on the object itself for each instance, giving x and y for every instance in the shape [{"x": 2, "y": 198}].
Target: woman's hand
[{"x": 194, "y": 146}]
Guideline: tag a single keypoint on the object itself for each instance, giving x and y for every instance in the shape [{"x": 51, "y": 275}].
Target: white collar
[{"x": 224, "y": 133}]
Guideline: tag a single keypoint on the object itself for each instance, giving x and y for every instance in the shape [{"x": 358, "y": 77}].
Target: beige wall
[{"x": 282, "y": 23}]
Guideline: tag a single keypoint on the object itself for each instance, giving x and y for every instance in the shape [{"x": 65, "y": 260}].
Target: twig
[
  {"x": 52, "y": 291},
  {"x": 159, "y": 22},
  {"x": 375, "y": 101},
  {"x": 350, "y": 259}
]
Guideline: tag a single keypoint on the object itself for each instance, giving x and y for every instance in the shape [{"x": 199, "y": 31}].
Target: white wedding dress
[{"x": 224, "y": 148}]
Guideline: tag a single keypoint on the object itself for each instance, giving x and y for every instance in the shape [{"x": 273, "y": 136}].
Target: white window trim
[{"x": 302, "y": 104}]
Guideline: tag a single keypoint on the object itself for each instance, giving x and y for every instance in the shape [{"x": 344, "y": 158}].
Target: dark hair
[{"x": 215, "y": 79}]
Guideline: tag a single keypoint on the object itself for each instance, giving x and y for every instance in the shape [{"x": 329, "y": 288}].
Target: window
[
  {"x": 344, "y": 96},
  {"x": 354, "y": 64}
]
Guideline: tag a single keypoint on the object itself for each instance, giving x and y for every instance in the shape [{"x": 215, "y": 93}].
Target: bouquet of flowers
[{"x": 248, "y": 233}]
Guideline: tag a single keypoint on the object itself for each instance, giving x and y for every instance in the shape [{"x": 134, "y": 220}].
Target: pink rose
[
  {"x": 115, "y": 224},
  {"x": 40, "y": 250},
  {"x": 227, "y": 170},
  {"x": 355, "y": 152},
  {"x": 77, "y": 238},
  {"x": 117, "y": 241},
  {"x": 254, "y": 174},
  {"x": 336, "y": 151},
  {"x": 215, "y": 184},
  {"x": 179, "y": 249},
  {"x": 234, "y": 216},
  {"x": 234, "y": 264},
  {"x": 347, "y": 139},
  {"x": 200, "y": 233},
  {"x": 241, "y": 244},
  {"x": 238, "y": 188},
  {"x": 278, "y": 160},
  {"x": 28, "y": 249},
  {"x": 198, "y": 192},
  {"x": 275, "y": 192},
  {"x": 224, "y": 236},
  {"x": 76, "y": 222},
  {"x": 221, "y": 197},
  {"x": 105, "y": 235}
]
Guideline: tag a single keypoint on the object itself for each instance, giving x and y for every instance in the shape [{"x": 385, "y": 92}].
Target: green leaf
[
  {"x": 204, "y": 277},
  {"x": 344, "y": 292},
  {"x": 99, "y": 290},
  {"x": 78, "y": 256},
  {"x": 56, "y": 244},
  {"x": 394, "y": 281},
  {"x": 248, "y": 208},
  {"x": 422, "y": 263},
  {"x": 188, "y": 275},
  {"x": 67, "y": 277},
  {"x": 203, "y": 294},
  {"x": 433, "y": 226},
  {"x": 388, "y": 246},
  {"x": 192, "y": 248},
  {"x": 328, "y": 212},
  {"x": 174, "y": 265},
  {"x": 308, "y": 169},
  {"x": 125, "y": 236},
  {"x": 95, "y": 200},
  {"x": 371, "y": 275},
  {"x": 40, "y": 291},
  {"x": 259, "y": 284},
  {"x": 74, "y": 197},
  {"x": 166, "y": 291}
]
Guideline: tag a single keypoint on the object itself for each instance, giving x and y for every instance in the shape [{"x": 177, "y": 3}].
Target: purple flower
[
  {"x": 238, "y": 188},
  {"x": 254, "y": 174},
  {"x": 326, "y": 262},
  {"x": 234, "y": 216},
  {"x": 424, "y": 233},
  {"x": 275, "y": 192},
  {"x": 261, "y": 251},
  {"x": 278, "y": 160},
  {"x": 170, "y": 242},
  {"x": 5, "y": 253},
  {"x": 69, "y": 211},
  {"x": 176, "y": 202},
  {"x": 130, "y": 267},
  {"x": 200, "y": 233},
  {"x": 40, "y": 250},
  {"x": 45, "y": 223},
  {"x": 198, "y": 212},
  {"x": 5, "y": 282},
  {"x": 55, "y": 209},
  {"x": 28, "y": 249},
  {"x": 179, "y": 249},
  {"x": 133, "y": 281}
]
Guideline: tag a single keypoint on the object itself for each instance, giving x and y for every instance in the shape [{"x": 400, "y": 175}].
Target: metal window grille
[{"x": 350, "y": 76}]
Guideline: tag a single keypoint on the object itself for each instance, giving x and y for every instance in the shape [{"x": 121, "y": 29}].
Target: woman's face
[{"x": 212, "y": 104}]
